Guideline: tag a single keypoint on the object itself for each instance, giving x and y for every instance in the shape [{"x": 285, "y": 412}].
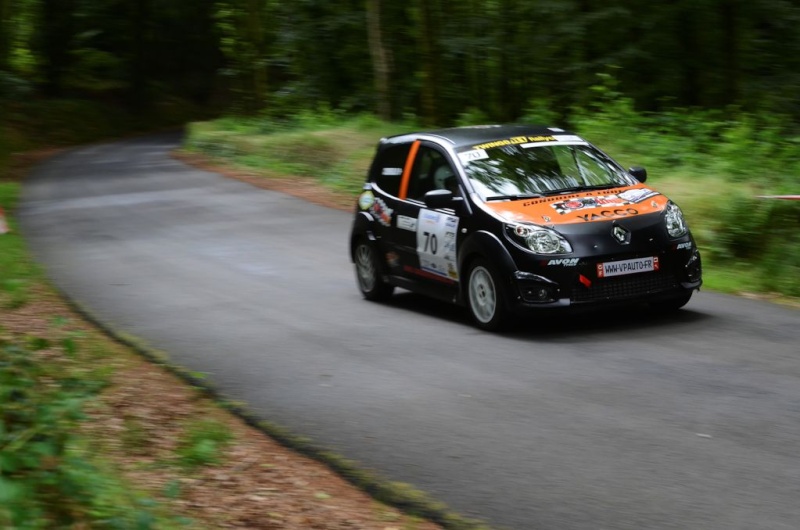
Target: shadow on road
[{"x": 560, "y": 325}]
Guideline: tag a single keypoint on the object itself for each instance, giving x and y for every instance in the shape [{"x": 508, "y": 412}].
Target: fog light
[
  {"x": 693, "y": 268},
  {"x": 543, "y": 294}
]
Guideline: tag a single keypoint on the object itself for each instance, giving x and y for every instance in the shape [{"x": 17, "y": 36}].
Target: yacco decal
[
  {"x": 412, "y": 154},
  {"x": 608, "y": 214},
  {"x": 534, "y": 210}
]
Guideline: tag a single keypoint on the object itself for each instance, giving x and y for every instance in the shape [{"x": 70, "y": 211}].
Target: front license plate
[{"x": 628, "y": 266}]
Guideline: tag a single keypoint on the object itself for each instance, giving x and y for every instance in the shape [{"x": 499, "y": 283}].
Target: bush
[{"x": 47, "y": 476}]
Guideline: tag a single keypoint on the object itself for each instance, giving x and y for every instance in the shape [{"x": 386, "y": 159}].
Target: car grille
[{"x": 622, "y": 287}]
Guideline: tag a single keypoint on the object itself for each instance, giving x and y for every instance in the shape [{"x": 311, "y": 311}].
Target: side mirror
[
  {"x": 639, "y": 173},
  {"x": 439, "y": 199}
]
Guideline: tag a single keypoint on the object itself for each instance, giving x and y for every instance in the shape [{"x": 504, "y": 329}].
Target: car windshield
[{"x": 530, "y": 170}]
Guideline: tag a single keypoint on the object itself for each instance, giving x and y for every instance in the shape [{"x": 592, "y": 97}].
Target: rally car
[{"x": 507, "y": 219}]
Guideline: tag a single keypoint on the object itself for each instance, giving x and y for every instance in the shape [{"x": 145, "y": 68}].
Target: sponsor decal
[
  {"x": 585, "y": 281},
  {"x": 569, "y": 138},
  {"x": 382, "y": 212},
  {"x": 637, "y": 195},
  {"x": 628, "y": 266},
  {"x": 475, "y": 154},
  {"x": 392, "y": 259},
  {"x": 405, "y": 222},
  {"x": 682, "y": 246},
  {"x": 516, "y": 140},
  {"x": 429, "y": 275},
  {"x": 392, "y": 171},
  {"x": 436, "y": 243},
  {"x": 608, "y": 214},
  {"x": 366, "y": 200},
  {"x": 602, "y": 201},
  {"x": 564, "y": 262}
]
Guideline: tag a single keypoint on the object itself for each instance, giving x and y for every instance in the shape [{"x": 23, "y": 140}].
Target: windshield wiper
[
  {"x": 515, "y": 197},
  {"x": 576, "y": 189}
]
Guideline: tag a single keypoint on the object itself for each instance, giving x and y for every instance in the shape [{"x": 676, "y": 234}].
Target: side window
[
  {"x": 387, "y": 171},
  {"x": 431, "y": 171}
]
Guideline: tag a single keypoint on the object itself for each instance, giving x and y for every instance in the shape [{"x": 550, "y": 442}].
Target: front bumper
[{"x": 578, "y": 285}]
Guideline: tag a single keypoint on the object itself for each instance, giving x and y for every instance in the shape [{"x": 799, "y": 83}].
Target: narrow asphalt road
[{"x": 613, "y": 421}]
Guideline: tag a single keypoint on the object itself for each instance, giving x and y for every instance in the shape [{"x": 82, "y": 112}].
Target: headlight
[
  {"x": 676, "y": 224},
  {"x": 538, "y": 239}
]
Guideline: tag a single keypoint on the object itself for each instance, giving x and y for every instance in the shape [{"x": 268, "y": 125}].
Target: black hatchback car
[{"x": 505, "y": 219}]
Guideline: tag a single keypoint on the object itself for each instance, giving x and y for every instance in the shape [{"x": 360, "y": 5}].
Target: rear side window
[{"x": 387, "y": 170}]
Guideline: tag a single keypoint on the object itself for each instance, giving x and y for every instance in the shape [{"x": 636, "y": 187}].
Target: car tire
[
  {"x": 673, "y": 304},
  {"x": 368, "y": 273},
  {"x": 486, "y": 298}
]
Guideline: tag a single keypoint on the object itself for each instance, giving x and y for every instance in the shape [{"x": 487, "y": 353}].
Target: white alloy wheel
[
  {"x": 482, "y": 295},
  {"x": 368, "y": 273}
]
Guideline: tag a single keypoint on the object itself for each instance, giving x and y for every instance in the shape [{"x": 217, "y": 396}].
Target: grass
[
  {"x": 710, "y": 189},
  {"x": 202, "y": 444}
]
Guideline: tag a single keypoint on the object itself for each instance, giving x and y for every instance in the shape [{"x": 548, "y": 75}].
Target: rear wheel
[
  {"x": 368, "y": 273},
  {"x": 485, "y": 297}
]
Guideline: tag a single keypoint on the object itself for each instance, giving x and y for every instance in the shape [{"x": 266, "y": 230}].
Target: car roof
[{"x": 465, "y": 136}]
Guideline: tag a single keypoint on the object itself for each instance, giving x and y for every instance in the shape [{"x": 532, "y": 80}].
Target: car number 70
[{"x": 430, "y": 240}]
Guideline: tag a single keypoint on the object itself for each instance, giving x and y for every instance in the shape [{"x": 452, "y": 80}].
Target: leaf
[{"x": 70, "y": 346}]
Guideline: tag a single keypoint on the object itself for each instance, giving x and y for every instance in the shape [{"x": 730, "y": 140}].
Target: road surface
[{"x": 612, "y": 421}]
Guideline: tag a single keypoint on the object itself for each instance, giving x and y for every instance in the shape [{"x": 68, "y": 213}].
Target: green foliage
[
  {"x": 472, "y": 116},
  {"x": 723, "y": 163},
  {"x": 323, "y": 144},
  {"x": 17, "y": 270},
  {"x": 48, "y": 478},
  {"x": 713, "y": 164},
  {"x": 203, "y": 442}
]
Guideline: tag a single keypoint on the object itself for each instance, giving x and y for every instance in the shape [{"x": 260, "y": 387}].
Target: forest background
[{"x": 703, "y": 92}]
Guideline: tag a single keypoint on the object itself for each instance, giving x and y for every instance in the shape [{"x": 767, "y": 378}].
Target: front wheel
[
  {"x": 485, "y": 297},
  {"x": 368, "y": 273}
]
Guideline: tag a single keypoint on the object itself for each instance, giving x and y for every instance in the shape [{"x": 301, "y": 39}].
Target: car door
[{"x": 426, "y": 238}]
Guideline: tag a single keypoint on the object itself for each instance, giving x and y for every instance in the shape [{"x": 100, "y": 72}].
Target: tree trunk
[
  {"x": 5, "y": 34},
  {"x": 731, "y": 51},
  {"x": 380, "y": 63},
  {"x": 255, "y": 36},
  {"x": 429, "y": 59},
  {"x": 137, "y": 91},
  {"x": 56, "y": 33}
]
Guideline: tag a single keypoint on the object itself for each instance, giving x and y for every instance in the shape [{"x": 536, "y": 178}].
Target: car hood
[{"x": 582, "y": 207}]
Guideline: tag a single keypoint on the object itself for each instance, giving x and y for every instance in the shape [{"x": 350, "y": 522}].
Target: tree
[{"x": 380, "y": 61}]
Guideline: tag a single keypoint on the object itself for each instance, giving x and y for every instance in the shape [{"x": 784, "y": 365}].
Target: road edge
[{"x": 402, "y": 496}]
